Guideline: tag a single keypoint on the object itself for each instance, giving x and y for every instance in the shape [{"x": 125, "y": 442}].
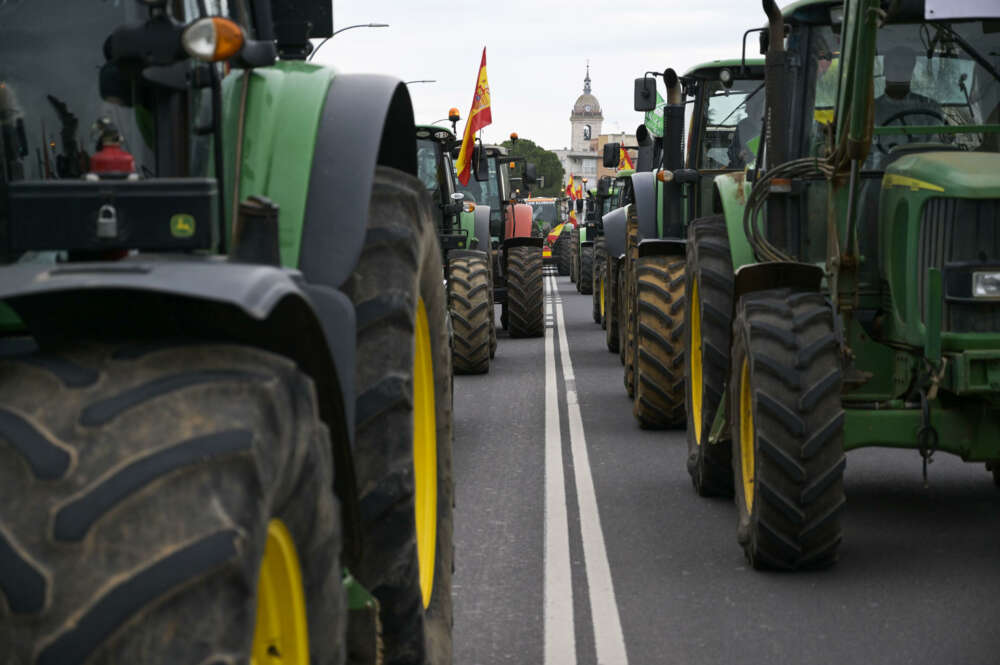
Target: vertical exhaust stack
[
  {"x": 776, "y": 130},
  {"x": 673, "y": 153}
]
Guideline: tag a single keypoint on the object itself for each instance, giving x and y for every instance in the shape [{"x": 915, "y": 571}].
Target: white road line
[
  {"x": 560, "y": 636},
  {"x": 608, "y": 639}
]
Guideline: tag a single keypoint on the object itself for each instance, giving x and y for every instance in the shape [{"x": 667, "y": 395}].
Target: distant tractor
[
  {"x": 462, "y": 230},
  {"x": 516, "y": 250}
]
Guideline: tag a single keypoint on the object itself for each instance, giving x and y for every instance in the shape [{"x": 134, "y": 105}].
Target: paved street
[{"x": 579, "y": 538}]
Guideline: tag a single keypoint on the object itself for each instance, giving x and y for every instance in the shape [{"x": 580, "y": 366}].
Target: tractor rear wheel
[
  {"x": 403, "y": 444},
  {"x": 620, "y": 310},
  {"x": 525, "y": 292},
  {"x": 610, "y": 294},
  {"x": 630, "y": 295},
  {"x": 160, "y": 501},
  {"x": 586, "y": 279},
  {"x": 574, "y": 257},
  {"x": 471, "y": 306},
  {"x": 659, "y": 342},
  {"x": 707, "y": 339},
  {"x": 562, "y": 253},
  {"x": 787, "y": 429},
  {"x": 600, "y": 260}
]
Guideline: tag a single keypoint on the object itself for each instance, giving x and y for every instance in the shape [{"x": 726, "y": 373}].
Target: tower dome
[{"x": 586, "y": 104}]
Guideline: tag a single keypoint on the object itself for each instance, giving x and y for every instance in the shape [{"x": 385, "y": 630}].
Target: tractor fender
[
  {"x": 731, "y": 191},
  {"x": 468, "y": 254},
  {"x": 361, "y": 111},
  {"x": 662, "y": 247},
  {"x": 586, "y": 243},
  {"x": 615, "y": 223},
  {"x": 518, "y": 221},
  {"x": 644, "y": 202},
  {"x": 775, "y": 274},
  {"x": 482, "y": 227},
  {"x": 261, "y": 306}
]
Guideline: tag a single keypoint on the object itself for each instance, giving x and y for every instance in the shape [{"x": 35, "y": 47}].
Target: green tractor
[
  {"x": 651, "y": 282},
  {"x": 225, "y": 398},
  {"x": 613, "y": 222},
  {"x": 863, "y": 310},
  {"x": 583, "y": 235},
  {"x": 464, "y": 234},
  {"x": 608, "y": 197},
  {"x": 516, "y": 247}
]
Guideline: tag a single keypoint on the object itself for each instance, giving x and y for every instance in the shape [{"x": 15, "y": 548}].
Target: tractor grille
[{"x": 960, "y": 231}]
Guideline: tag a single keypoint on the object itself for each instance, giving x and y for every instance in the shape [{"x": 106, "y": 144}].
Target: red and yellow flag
[
  {"x": 572, "y": 217},
  {"x": 570, "y": 192},
  {"x": 479, "y": 117},
  {"x": 624, "y": 161}
]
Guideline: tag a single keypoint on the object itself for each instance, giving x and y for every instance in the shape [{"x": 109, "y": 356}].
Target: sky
[{"x": 537, "y": 52}]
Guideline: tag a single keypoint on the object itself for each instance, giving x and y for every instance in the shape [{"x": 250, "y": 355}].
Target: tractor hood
[{"x": 967, "y": 175}]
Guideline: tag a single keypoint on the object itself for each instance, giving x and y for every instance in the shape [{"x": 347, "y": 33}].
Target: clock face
[{"x": 587, "y": 108}]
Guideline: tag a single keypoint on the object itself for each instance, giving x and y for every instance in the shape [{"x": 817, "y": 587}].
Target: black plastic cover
[{"x": 152, "y": 214}]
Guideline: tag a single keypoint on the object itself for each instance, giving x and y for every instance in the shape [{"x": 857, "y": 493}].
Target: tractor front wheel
[
  {"x": 586, "y": 279},
  {"x": 787, "y": 429},
  {"x": 709, "y": 324},
  {"x": 403, "y": 444},
  {"x": 609, "y": 287},
  {"x": 600, "y": 261},
  {"x": 525, "y": 291},
  {"x": 659, "y": 342},
  {"x": 470, "y": 302}
]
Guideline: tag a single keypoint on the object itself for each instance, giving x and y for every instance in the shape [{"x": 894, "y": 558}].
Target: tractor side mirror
[
  {"x": 530, "y": 176},
  {"x": 645, "y": 94},
  {"x": 579, "y": 205},
  {"x": 612, "y": 154}
]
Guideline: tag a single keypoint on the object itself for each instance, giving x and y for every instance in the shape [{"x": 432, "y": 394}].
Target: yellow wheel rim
[
  {"x": 281, "y": 636},
  {"x": 695, "y": 354},
  {"x": 746, "y": 435},
  {"x": 601, "y": 297},
  {"x": 424, "y": 453}
]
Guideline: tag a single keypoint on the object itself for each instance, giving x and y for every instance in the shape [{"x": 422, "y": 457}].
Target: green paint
[
  {"x": 182, "y": 225},
  {"x": 284, "y": 106},
  {"x": 733, "y": 192},
  {"x": 9, "y": 320},
  {"x": 970, "y": 430}
]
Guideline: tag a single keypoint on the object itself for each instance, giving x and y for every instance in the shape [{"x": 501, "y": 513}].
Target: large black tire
[
  {"x": 138, "y": 483},
  {"x": 659, "y": 351},
  {"x": 620, "y": 308},
  {"x": 470, "y": 301},
  {"x": 709, "y": 305},
  {"x": 398, "y": 275},
  {"x": 562, "y": 251},
  {"x": 611, "y": 305},
  {"x": 586, "y": 279},
  {"x": 600, "y": 263},
  {"x": 525, "y": 292},
  {"x": 630, "y": 295},
  {"x": 784, "y": 391}
]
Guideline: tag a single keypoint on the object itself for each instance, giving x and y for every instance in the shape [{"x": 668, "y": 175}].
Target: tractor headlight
[{"x": 986, "y": 284}]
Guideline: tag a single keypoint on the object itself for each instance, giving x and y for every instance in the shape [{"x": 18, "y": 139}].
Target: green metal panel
[
  {"x": 733, "y": 191},
  {"x": 284, "y": 105},
  {"x": 961, "y": 174},
  {"x": 970, "y": 430},
  {"x": 9, "y": 321},
  {"x": 583, "y": 234},
  {"x": 467, "y": 222},
  {"x": 659, "y": 208}
]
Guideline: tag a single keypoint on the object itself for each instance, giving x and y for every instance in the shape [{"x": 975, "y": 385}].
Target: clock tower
[{"x": 585, "y": 119}]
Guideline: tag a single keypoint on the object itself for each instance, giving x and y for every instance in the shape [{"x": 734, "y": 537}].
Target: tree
[{"x": 547, "y": 163}]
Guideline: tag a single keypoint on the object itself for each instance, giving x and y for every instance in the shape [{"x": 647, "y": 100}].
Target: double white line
[{"x": 560, "y": 637}]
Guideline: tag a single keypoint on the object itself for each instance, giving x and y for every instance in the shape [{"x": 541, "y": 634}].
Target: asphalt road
[{"x": 612, "y": 553}]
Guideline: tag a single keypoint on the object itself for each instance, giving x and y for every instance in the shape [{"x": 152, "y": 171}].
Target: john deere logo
[{"x": 182, "y": 226}]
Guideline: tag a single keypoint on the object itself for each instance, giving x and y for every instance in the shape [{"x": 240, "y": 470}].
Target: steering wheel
[{"x": 899, "y": 115}]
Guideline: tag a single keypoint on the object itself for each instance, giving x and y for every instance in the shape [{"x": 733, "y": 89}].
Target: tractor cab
[{"x": 436, "y": 171}]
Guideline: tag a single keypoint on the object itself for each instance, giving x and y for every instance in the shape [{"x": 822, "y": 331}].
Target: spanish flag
[
  {"x": 479, "y": 117},
  {"x": 624, "y": 161},
  {"x": 570, "y": 192}
]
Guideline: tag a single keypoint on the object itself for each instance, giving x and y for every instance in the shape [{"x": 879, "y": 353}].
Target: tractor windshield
[
  {"x": 935, "y": 83},
  {"x": 53, "y": 106},
  {"x": 732, "y": 121},
  {"x": 482, "y": 193}
]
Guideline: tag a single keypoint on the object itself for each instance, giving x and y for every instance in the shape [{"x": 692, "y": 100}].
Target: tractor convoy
[{"x": 230, "y": 318}]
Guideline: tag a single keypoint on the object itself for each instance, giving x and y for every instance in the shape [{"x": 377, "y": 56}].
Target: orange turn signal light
[
  {"x": 664, "y": 176},
  {"x": 213, "y": 39}
]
